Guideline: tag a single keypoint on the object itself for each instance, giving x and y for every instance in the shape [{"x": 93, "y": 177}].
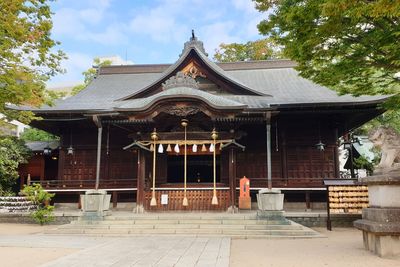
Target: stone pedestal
[
  {"x": 273, "y": 215},
  {"x": 270, "y": 199},
  {"x": 381, "y": 222},
  {"x": 95, "y": 204},
  {"x": 270, "y": 206}
]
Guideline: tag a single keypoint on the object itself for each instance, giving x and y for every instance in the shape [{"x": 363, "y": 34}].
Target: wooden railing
[
  {"x": 285, "y": 182},
  {"x": 86, "y": 184},
  {"x": 255, "y": 182},
  {"x": 199, "y": 200}
]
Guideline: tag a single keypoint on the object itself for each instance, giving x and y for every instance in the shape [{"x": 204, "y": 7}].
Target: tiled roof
[{"x": 264, "y": 85}]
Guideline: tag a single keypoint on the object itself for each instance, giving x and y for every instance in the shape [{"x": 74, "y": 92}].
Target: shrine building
[{"x": 190, "y": 130}]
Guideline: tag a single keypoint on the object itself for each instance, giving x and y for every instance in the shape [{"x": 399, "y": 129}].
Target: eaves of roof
[{"x": 215, "y": 101}]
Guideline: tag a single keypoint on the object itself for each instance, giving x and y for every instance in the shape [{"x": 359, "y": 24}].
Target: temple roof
[
  {"x": 214, "y": 101},
  {"x": 262, "y": 85}
]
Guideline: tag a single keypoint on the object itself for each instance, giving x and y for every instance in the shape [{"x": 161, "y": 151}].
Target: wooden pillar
[
  {"x": 42, "y": 169},
  {"x": 141, "y": 167},
  {"x": 232, "y": 178},
  {"x": 61, "y": 163},
  {"x": 336, "y": 155},
  {"x": 115, "y": 198},
  {"x": 99, "y": 140},
  {"x": 284, "y": 157},
  {"x": 308, "y": 202},
  {"x": 268, "y": 143}
]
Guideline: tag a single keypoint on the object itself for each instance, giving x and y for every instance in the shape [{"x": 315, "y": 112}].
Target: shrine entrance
[{"x": 199, "y": 169}]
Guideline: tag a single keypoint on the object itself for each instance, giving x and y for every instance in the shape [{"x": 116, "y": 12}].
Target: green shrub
[
  {"x": 43, "y": 215},
  {"x": 44, "y": 212}
]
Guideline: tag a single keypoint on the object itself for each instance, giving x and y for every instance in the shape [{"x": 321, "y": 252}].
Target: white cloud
[
  {"x": 217, "y": 33},
  {"x": 160, "y": 24},
  {"x": 113, "y": 35},
  {"x": 66, "y": 22},
  {"x": 247, "y": 6},
  {"x": 78, "y": 24},
  {"x": 75, "y": 64}
]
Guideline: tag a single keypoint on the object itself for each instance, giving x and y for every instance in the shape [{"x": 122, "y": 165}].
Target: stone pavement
[
  {"x": 129, "y": 251},
  {"x": 152, "y": 251}
]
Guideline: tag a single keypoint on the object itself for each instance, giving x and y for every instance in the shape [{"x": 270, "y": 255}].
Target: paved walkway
[
  {"x": 26, "y": 246},
  {"x": 110, "y": 251},
  {"x": 151, "y": 251}
]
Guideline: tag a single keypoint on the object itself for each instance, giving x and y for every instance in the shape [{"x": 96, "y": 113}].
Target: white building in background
[
  {"x": 364, "y": 147},
  {"x": 14, "y": 128}
]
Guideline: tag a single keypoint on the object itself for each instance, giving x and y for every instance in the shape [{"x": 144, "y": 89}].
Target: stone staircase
[{"x": 189, "y": 224}]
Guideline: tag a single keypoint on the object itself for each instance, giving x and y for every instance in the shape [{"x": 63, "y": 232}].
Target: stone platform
[
  {"x": 380, "y": 223},
  {"x": 246, "y": 225}
]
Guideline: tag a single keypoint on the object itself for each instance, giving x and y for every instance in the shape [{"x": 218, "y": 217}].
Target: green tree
[
  {"x": 90, "y": 74},
  {"x": 33, "y": 134},
  {"x": 350, "y": 46},
  {"x": 27, "y": 56},
  {"x": 262, "y": 49},
  {"x": 41, "y": 198},
  {"x": 12, "y": 153}
]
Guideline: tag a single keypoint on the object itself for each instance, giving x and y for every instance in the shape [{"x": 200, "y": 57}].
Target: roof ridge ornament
[
  {"x": 180, "y": 80},
  {"x": 194, "y": 42}
]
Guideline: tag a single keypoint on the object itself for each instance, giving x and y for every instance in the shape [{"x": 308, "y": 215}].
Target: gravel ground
[{"x": 341, "y": 247}]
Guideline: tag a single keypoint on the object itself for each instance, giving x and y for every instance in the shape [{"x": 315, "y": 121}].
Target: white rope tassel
[
  {"x": 176, "y": 148},
  {"x": 160, "y": 149}
]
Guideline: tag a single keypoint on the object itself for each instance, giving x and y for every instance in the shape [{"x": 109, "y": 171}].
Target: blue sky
[{"x": 145, "y": 31}]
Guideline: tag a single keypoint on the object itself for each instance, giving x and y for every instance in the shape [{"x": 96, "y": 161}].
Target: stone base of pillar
[
  {"x": 273, "y": 215},
  {"x": 139, "y": 209},
  {"x": 232, "y": 209},
  {"x": 381, "y": 230},
  {"x": 270, "y": 200},
  {"x": 95, "y": 204},
  {"x": 382, "y": 245},
  {"x": 380, "y": 223}
]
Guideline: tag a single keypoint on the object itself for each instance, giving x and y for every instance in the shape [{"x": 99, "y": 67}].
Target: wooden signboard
[{"x": 345, "y": 196}]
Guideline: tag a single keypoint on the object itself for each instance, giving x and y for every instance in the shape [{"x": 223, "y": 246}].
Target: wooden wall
[{"x": 295, "y": 159}]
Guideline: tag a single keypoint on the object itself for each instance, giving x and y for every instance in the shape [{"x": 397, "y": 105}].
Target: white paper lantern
[{"x": 194, "y": 148}]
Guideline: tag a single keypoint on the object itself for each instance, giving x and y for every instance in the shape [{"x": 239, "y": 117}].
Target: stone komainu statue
[{"x": 388, "y": 141}]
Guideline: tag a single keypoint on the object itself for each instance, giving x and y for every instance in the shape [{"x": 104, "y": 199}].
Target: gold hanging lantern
[
  {"x": 154, "y": 137},
  {"x": 151, "y": 147}
]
